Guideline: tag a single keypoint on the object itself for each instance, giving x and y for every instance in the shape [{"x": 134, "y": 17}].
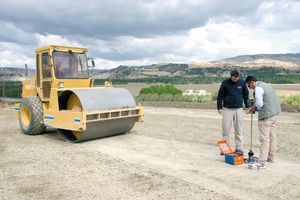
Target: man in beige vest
[{"x": 267, "y": 104}]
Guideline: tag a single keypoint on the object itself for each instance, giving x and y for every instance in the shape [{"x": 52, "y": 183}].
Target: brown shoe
[
  {"x": 271, "y": 161},
  {"x": 239, "y": 151}
]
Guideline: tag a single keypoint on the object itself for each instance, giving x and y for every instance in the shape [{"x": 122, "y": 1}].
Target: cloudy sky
[{"x": 142, "y": 32}]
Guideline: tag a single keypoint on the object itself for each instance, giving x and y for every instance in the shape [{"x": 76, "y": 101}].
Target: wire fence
[{"x": 10, "y": 89}]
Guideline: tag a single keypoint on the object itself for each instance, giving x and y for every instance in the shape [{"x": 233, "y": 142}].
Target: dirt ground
[{"x": 171, "y": 155}]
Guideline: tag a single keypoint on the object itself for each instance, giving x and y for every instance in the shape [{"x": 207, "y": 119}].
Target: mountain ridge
[{"x": 283, "y": 63}]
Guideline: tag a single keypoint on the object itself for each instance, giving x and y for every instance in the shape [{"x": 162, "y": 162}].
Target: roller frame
[{"x": 77, "y": 121}]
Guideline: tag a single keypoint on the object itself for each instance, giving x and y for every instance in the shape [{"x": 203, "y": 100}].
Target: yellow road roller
[{"x": 62, "y": 95}]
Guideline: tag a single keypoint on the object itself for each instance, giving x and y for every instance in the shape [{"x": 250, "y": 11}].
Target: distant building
[{"x": 195, "y": 92}]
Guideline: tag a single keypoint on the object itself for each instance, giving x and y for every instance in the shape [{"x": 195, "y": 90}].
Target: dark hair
[
  {"x": 234, "y": 73},
  {"x": 249, "y": 79}
]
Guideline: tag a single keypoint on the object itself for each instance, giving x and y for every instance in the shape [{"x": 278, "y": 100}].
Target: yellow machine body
[{"x": 69, "y": 102}]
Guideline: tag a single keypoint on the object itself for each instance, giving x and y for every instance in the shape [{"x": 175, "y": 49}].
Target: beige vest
[{"x": 271, "y": 102}]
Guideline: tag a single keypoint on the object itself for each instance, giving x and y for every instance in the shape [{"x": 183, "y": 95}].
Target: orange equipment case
[{"x": 230, "y": 157}]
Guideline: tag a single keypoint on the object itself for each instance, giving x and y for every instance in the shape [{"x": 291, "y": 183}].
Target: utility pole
[
  {"x": 26, "y": 70},
  {"x": 3, "y": 93},
  {"x": 3, "y": 89}
]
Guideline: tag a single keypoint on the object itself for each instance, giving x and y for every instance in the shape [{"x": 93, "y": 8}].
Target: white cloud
[
  {"x": 149, "y": 31},
  {"x": 44, "y": 40},
  {"x": 11, "y": 33},
  {"x": 10, "y": 58},
  {"x": 217, "y": 41}
]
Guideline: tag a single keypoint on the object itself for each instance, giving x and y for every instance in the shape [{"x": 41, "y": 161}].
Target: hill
[
  {"x": 271, "y": 64},
  {"x": 293, "y": 58},
  {"x": 278, "y": 63}
]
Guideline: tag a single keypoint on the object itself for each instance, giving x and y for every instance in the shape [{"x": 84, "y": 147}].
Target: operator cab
[
  {"x": 61, "y": 67},
  {"x": 70, "y": 65}
]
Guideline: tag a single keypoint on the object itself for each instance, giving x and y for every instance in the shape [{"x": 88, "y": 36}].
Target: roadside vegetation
[
  {"x": 263, "y": 74},
  {"x": 293, "y": 100},
  {"x": 158, "y": 93},
  {"x": 171, "y": 93}
]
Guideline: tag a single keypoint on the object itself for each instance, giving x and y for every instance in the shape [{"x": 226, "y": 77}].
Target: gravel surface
[{"x": 171, "y": 155}]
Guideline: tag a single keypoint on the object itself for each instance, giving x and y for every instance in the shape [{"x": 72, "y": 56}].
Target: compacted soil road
[{"x": 171, "y": 155}]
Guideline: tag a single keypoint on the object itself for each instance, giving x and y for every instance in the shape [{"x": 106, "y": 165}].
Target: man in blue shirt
[{"x": 232, "y": 93}]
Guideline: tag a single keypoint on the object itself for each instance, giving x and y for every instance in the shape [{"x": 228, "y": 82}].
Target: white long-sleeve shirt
[{"x": 259, "y": 93}]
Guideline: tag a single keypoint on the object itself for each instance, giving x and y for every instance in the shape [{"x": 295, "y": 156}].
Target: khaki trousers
[
  {"x": 267, "y": 139},
  {"x": 233, "y": 116}
]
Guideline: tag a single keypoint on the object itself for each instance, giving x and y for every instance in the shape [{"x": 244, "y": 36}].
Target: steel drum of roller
[{"x": 98, "y": 99}]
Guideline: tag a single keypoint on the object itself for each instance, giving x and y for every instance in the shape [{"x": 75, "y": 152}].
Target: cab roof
[{"x": 60, "y": 48}]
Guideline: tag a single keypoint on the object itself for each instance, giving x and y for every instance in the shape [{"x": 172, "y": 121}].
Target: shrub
[
  {"x": 166, "y": 97},
  {"x": 141, "y": 97},
  {"x": 204, "y": 99},
  {"x": 170, "y": 93},
  {"x": 152, "y": 97},
  {"x": 161, "y": 89},
  {"x": 293, "y": 100},
  {"x": 178, "y": 97},
  {"x": 214, "y": 96}
]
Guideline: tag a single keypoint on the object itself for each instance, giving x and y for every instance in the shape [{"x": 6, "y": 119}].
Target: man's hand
[
  {"x": 248, "y": 110},
  {"x": 251, "y": 110},
  {"x": 220, "y": 111}
]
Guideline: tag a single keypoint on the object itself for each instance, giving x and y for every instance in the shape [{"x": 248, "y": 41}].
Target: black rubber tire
[{"x": 31, "y": 116}]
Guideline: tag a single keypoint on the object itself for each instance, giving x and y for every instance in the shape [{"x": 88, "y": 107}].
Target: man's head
[
  {"x": 58, "y": 64},
  {"x": 251, "y": 82},
  {"x": 234, "y": 75},
  {"x": 58, "y": 68}
]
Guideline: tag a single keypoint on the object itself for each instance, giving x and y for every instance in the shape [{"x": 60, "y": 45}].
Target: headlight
[{"x": 60, "y": 85}]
